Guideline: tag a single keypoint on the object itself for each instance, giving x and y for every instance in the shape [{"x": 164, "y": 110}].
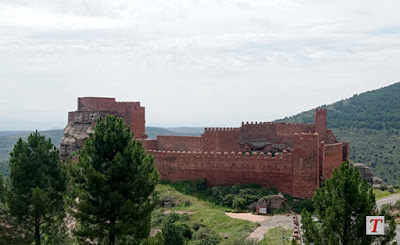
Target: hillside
[
  {"x": 377, "y": 109},
  {"x": 371, "y": 123}
]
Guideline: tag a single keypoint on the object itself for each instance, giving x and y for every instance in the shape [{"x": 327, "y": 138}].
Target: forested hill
[
  {"x": 371, "y": 123},
  {"x": 377, "y": 109}
]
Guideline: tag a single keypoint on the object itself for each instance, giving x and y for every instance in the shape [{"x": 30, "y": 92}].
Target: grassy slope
[
  {"x": 209, "y": 214},
  {"x": 277, "y": 236}
]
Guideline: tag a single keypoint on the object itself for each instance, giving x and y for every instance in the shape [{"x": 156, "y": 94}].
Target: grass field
[
  {"x": 277, "y": 236},
  {"x": 212, "y": 216}
]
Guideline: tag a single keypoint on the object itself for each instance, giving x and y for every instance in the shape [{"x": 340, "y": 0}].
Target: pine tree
[
  {"x": 341, "y": 207},
  {"x": 37, "y": 185},
  {"x": 114, "y": 180}
]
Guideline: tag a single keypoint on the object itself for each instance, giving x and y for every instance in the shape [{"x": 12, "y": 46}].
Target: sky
[{"x": 192, "y": 62}]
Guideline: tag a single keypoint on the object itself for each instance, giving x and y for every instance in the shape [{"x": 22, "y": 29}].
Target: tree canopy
[
  {"x": 37, "y": 185},
  {"x": 114, "y": 180},
  {"x": 341, "y": 207}
]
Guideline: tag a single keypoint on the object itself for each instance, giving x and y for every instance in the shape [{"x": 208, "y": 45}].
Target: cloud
[{"x": 193, "y": 62}]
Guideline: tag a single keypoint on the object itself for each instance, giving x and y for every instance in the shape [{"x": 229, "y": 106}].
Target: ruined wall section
[
  {"x": 132, "y": 113},
  {"x": 221, "y": 139},
  {"x": 268, "y": 136},
  {"x": 227, "y": 168},
  {"x": 82, "y": 121},
  {"x": 305, "y": 164}
]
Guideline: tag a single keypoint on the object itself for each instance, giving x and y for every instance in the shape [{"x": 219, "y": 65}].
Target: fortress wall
[
  {"x": 321, "y": 123},
  {"x": 287, "y": 130},
  {"x": 262, "y": 130},
  {"x": 333, "y": 158},
  {"x": 179, "y": 143},
  {"x": 71, "y": 116},
  {"x": 227, "y": 168},
  {"x": 104, "y": 104},
  {"x": 330, "y": 137},
  {"x": 280, "y": 131},
  {"x": 132, "y": 113},
  {"x": 136, "y": 120},
  {"x": 305, "y": 164},
  {"x": 150, "y": 144},
  {"x": 221, "y": 139}
]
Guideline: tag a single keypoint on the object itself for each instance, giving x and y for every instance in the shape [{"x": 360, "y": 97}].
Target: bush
[
  {"x": 206, "y": 236},
  {"x": 187, "y": 232},
  {"x": 172, "y": 234},
  {"x": 238, "y": 203}
]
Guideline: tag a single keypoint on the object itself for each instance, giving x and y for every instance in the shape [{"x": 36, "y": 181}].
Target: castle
[{"x": 295, "y": 158}]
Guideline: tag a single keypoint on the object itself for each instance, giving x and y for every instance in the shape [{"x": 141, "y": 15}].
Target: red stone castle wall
[
  {"x": 179, "y": 143},
  {"x": 221, "y": 139},
  {"x": 227, "y": 168},
  {"x": 313, "y": 150},
  {"x": 131, "y": 112}
]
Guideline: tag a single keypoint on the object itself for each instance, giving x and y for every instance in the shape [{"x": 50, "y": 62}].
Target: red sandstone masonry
[
  {"x": 321, "y": 123},
  {"x": 226, "y": 168},
  {"x": 131, "y": 112},
  {"x": 179, "y": 143},
  {"x": 314, "y": 150},
  {"x": 305, "y": 165},
  {"x": 333, "y": 154},
  {"x": 221, "y": 139},
  {"x": 295, "y": 174}
]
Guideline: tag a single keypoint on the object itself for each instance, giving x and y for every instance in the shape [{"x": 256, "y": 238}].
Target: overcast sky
[{"x": 192, "y": 63}]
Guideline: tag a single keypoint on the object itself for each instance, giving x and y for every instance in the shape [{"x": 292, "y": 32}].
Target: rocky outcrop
[
  {"x": 77, "y": 132},
  {"x": 369, "y": 175}
]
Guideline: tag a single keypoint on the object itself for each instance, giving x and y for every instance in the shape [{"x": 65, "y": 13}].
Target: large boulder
[{"x": 369, "y": 175}]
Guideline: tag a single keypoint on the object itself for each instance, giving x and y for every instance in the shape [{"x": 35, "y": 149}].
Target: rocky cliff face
[{"x": 77, "y": 132}]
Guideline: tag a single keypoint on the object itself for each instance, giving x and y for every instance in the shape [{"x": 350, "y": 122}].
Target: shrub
[
  {"x": 206, "y": 236},
  {"x": 172, "y": 234}
]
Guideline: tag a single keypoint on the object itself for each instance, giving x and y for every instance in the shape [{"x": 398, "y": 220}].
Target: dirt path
[
  {"x": 248, "y": 216},
  {"x": 266, "y": 223}
]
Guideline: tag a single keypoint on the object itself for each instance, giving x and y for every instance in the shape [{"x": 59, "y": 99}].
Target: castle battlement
[
  {"x": 220, "y": 129},
  {"x": 225, "y": 155},
  {"x": 289, "y": 156}
]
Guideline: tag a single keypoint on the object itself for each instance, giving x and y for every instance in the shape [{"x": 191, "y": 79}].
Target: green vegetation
[
  {"x": 379, "y": 194},
  {"x": 378, "y": 149},
  {"x": 9, "y": 138},
  {"x": 377, "y": 109},
  {"x": 4, "y": 168},
  {"x": 114, "y": 179},
  {"x": 371, "y": 123},
  {"x": 341, "y": 206},
  {"x": 277, "y": 236},
  {"x": 236, "y": 197},
  {"x": 198, "y": 214},
  {"x": 35, "y": 194}
]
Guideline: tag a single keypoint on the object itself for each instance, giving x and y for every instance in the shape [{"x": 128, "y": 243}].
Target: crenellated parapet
[
  {"x": 290, "y": 156},
  {"x": 206, "y": 130}
]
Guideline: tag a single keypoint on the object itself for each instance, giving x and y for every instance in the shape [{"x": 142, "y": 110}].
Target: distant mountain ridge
[
  {"x": 376, "y": 109},
  {"x": 370, "y": 121}
]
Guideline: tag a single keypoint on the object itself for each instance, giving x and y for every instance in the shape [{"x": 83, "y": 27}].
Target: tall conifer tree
[
  {"x": 341, "y": 207},
  {"x": 37, "y": 185},
  {"x": 114, "y": 179}
]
